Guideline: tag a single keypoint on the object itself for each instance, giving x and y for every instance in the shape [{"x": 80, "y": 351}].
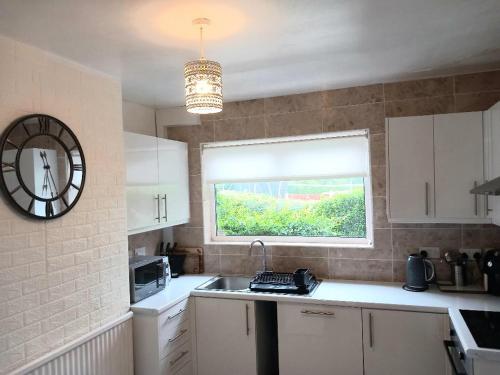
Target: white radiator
[{"x": 108, "y": 351}]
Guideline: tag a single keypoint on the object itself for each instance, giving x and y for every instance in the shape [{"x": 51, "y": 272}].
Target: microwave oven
[{"x": 147, "y": 275}]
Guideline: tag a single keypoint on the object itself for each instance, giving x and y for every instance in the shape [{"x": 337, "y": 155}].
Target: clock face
[{"x": 43, "y": 167}]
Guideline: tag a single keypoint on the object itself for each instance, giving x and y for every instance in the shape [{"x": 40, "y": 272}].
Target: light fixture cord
[{"x": 202, "y": 51}]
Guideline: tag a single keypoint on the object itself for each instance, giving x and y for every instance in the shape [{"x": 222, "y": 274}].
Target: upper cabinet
[
  {"x": 433, "y": 163},
  {"x": 492, "y": 164},
  {"x": 157, "y": 182}
]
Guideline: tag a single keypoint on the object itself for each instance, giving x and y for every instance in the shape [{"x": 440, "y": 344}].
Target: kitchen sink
[{"x": 229, "y": 283}]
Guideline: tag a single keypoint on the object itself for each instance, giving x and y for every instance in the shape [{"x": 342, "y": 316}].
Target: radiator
[{"x": 109, "y": 352}]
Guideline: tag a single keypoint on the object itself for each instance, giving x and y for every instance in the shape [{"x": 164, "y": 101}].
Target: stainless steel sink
[{"x": 228, "y": 283}]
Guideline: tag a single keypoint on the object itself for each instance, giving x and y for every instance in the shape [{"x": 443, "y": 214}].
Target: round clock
[{"x": 43, "y": 167}]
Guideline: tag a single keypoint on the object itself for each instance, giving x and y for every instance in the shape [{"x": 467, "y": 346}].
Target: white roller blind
[{"x": 343, "y": 154}]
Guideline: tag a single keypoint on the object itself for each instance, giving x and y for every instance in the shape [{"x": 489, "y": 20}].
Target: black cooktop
[{"x": 484, "y": 327}]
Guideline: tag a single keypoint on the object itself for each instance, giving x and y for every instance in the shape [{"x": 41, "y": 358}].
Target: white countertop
[
  {"x": 346, "y": 293},
  {"x": 179, "y": 288}
]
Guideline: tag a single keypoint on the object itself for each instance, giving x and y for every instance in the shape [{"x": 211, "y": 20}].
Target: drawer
[
  {"x": 176, "y": 360},
  {"x": 174, "y": 315},
  {"x": 173, "y": 336},
  {"x": 186, "y": 370}
]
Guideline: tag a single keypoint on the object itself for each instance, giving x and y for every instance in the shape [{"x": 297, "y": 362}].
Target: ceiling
[{"x": 266, "y": 47}]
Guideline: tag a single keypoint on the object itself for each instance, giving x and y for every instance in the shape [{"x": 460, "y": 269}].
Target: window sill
[{"x": 293, "y": 244}]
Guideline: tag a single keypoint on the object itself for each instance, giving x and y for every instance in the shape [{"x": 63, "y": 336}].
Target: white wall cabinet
[
  {"x": 432, "y": 164},
  {"x": 459, "y": 165},
  {"x": 399, "y": 342},
  {"x": 319, "y": 339},
  {"x": 411, "y": 168},
  {"x": 225, "y": 337},
  {"x": 157, "y": 182},
  {"x": 492, "y": 158}
]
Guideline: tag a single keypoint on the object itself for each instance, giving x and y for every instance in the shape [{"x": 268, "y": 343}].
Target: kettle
[{"x": 419, "y": 272}]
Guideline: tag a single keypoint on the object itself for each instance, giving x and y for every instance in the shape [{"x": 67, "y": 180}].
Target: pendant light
[{"x": 203, "y": 80}]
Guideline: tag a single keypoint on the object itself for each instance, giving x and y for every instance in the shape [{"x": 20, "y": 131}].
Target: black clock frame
[{"x": 3, "y": 140}]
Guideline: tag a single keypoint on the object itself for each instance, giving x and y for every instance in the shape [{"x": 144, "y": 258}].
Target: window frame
[{"x": 210, "y": 222}]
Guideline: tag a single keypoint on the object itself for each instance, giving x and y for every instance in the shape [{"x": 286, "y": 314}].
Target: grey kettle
[{"x": 419, "y": 271}]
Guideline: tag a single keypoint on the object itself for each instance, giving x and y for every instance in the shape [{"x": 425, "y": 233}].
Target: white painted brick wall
[{"x": 63, "y": 278}]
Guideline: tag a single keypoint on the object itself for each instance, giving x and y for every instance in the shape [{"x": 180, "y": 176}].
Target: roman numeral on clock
[{"x": 44, "y": 123}]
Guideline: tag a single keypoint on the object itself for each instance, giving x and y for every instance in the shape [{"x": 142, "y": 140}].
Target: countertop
[{"x": 365, "y": 294}]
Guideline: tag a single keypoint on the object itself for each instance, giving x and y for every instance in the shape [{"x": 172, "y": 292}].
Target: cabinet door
[
  {"x": 141, "y": 157},
  {"x": 397, "y": 342},
  {"x": 143, "y": 207},
  {"x": 459, "y": 163},
  {"x": 320, "y": 340},
  {"x": 411, "y": 168},
  {"x": 225, "y": 337},
  {"x": 492, "y": 125},
  {"x": 174, "y": 181}
]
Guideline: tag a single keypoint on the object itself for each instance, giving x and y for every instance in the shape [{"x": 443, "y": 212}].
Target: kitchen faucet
[{"x": 264, "y": 252}]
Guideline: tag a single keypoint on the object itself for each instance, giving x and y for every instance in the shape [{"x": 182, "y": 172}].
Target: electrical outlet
[
  {"x": 432, "y": 252},
  {"x": 470, "y": 252},
  {"x": 140, "y": 251}
]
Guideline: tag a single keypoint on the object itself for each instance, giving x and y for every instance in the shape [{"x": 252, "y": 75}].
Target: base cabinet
[
  {"x": 320, "y": 340},
  {"x": 225, "y": 337},
  {"x": 400, "y": 342}
]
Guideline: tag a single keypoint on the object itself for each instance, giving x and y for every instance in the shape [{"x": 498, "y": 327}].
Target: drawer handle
[
  {"x": 170, "y": 317},
  {"x": 325, "y": 313},
  {"x": 174, "y": 361},
  {"x": 183, "y": 331}
]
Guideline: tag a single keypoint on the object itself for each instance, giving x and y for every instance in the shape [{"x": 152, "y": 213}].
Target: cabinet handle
[
  {"x": 174, "y": 361},
  {"x": 475, "y": 200},
  {"x": 370, "y": 329},
  {"x": 165, "y": 205},
  {"x": 183, "y": 331},
  {"x": 488, "y": 209},
  {"x": 325, "y": 313},
  {"x": 246, "y": 315},
  {"x": 426, "y": 199},
  {"x": 157, "y": 199},
  {"x": 170, "y": 317}
]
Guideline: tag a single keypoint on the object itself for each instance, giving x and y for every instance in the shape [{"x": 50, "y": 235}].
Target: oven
[
  {"x": 459, "y": 363},
  {"x": 147, "y": 275}
]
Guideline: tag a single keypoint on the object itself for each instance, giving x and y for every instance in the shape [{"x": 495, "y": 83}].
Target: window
[{"x": 300, "y": 190}]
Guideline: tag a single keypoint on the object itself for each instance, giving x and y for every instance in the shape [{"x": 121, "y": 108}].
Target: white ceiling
[{"x": 266, "y": 47}]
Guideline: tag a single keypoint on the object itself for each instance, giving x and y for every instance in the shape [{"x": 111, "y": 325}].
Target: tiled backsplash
[{"x": 335, "y": 110}]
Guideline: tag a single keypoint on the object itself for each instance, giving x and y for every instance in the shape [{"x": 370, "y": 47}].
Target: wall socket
[
  {"x": 140, "y": 251},
  {"x": 432, "y": 252}
]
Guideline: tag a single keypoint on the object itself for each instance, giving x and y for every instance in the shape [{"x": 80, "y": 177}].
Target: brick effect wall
[{"x": 63, "y": 278}]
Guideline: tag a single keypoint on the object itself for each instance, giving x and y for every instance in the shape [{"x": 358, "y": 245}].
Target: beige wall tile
[
  {"x": 355, "y": 269},
  {"x": 242, "y": 264},
  {"x": 475, "y": 82},
  {"x": 192, "y": 135},
  {"x": 295, "y": 123},
  {"x": 365, "y": 116},
  {"x": 378, "y": 180},
  {"x": 297, "y": 251},
  {"x": 479, "y": 101},
  {"x": 420, "y": 107},
  {"x": 149, "y": 240},
  {"x": 418, "y": 88},
  {"x": 196, "y": 213},
  {"x": 212, "y": 263},
  {"x": 240, "y": 128},
  {"x": 194, "y": 161},
  {"x": 408, "y": 241},
  {"x": 318, "y": 266},
  {"x": 377, "y": 149},
  {"x": 195, "y": 189},
  {"x": 354, "y": 95},
  {"x": 380, "y": 213},
  {"x": 293, "y": 103},
  {"x": 240, "y": 109}
]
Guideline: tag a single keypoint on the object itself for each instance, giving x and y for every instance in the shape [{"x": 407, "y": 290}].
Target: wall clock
[{"x": 43, "y": 167}]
